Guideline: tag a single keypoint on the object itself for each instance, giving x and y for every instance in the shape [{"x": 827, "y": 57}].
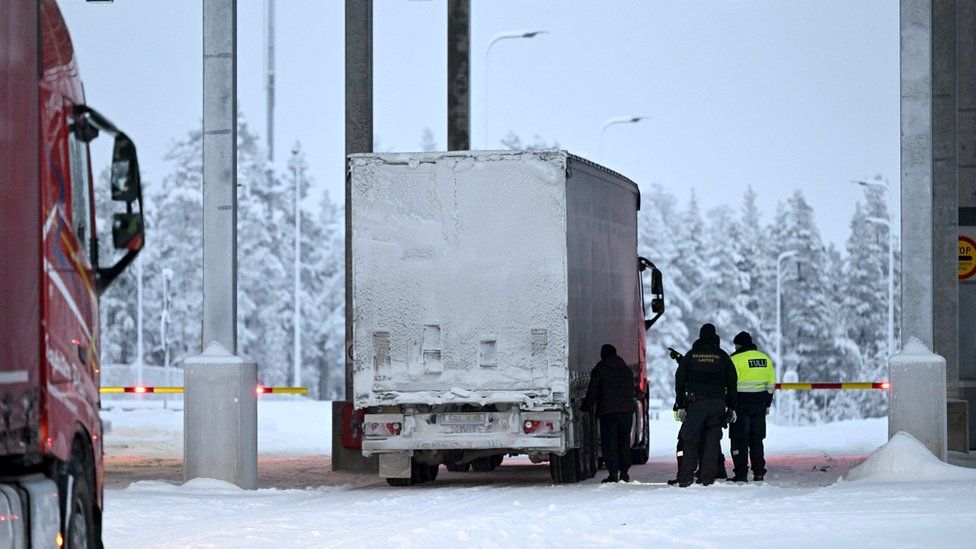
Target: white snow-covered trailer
[{"x": 484, "y": 284}]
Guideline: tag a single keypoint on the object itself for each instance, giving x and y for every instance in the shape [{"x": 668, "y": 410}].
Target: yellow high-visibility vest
[{"x": 756, "y": 372}]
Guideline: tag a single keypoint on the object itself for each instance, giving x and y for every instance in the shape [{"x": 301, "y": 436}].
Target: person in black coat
[
  {"x": 611, "y": 391},
  {"x": 705, "y": 397}
]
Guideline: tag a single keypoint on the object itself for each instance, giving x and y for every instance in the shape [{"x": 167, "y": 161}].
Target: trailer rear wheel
[
  {"x": 485, "y": 464},
  {"x": 566, "y": 469},
  {"x": 458, "y": 467},
  {"x": 590, "y": 446}
]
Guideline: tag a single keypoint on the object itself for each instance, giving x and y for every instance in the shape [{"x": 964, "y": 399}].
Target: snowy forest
[{"x": 719, "y": 265}]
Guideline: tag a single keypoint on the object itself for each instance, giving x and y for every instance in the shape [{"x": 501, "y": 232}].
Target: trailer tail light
[
  {"x": 140, "y": 389},
  {"x": 382, "y": 428},
  {"x": 540, "y": 427}
]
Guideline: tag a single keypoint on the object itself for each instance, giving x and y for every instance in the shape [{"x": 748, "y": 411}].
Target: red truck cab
[{"x": 50, "y": 431}]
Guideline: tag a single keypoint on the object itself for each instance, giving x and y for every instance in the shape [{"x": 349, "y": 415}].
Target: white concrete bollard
[
  {"x": 917, "y": 403},
  {"x": 220, "y": 417}
]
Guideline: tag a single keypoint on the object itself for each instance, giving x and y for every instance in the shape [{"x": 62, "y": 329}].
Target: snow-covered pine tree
[
  {"x": 689, "y": 265},
  {"x": 657, "y": 241},
  {"x": 725, "y": 294},
  {"x": 747, "y": 245},
  {"x": 846, "y": 360},
  {"x": 865, "y": 302},
  {"x": 806, "y": 311}
]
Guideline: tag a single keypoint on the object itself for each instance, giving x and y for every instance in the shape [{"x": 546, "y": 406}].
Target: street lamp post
[
  {"x": 296, "y": 379},
  {"x": 779, "y": 330},
  {"x": 779, "y": 286},
  {"x": 614, "y": 121},
  {"x": 164, "y": 328},
  {"x": 891, "y": 280},
  {"x": 507, "y": 35},
  {"x": 891, "y": 258}
]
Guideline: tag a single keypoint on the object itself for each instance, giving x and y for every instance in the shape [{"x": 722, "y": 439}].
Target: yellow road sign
[{"x": 967, "y": 258}]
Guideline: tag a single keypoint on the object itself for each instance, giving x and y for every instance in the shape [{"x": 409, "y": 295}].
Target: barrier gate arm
[
  {"x": 846, "y": 386},
  {"x": 143, "y": 390}
]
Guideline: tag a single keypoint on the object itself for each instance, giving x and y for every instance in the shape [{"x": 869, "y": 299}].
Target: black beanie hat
[
  {"x": 707, "y": 331},
  {"x": 743, "y": 338},
  {"x": 608, "y": 351}
]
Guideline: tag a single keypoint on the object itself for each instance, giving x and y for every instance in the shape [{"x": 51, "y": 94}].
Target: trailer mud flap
[
  {"x": 352, "y": 427},
  {"x": 395, "y": 465}
]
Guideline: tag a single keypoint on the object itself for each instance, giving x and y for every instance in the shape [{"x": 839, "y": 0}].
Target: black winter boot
[{"x": 612, "y": 478}]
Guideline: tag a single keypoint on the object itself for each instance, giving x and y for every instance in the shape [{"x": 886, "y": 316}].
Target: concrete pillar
[
  {"x": 966, "y": 159},
  {"x": 220, "y": 418},
  {"x": 916, "y": 170},
  {"x": 220, "y": 403},
  {"x": 220, "y": 173},
  {"x": 932, "y": 67},
  {"x": 359, "y": 138},
  {"x": 918, "y": 396},
  {"x": 458, "y": 75},
  {"x": 945, "y": 193}
]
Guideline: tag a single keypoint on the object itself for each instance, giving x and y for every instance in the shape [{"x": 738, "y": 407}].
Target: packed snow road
[
  {"x": 517, "y": 505},
  {"x": 303, "y": 503}
]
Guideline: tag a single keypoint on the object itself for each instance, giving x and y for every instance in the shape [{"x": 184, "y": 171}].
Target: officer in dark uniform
[
  {"x": 705, "y": 396},
  {"x": 679, "y": 450}
]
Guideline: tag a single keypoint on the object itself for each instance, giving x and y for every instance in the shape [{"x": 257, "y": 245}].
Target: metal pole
[
  {"x": 164, "y": 330},
  {"x": 220, "y": 173},
  {"x": 296, "y": 379},
  {"x": 613, "y": 121},
  {"x": 139, "y": 350},
  {"x": 270, "y": 75},
  {"x": 458, "y": 75},
  {"x": 779, "y": 329},
  {"x": 891, "y": 284},
  {"x": 500, "y": 36}
]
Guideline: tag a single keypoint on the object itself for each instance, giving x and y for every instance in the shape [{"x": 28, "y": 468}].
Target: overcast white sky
[{"x": 779, "y": 94}]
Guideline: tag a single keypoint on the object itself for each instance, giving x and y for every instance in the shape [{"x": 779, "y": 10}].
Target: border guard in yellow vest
[{"x": 756, "y": 384}]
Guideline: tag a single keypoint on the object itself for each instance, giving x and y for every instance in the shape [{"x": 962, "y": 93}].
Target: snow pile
[{"x": 905, "y": 459}]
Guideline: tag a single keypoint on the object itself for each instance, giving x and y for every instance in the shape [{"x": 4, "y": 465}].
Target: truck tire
[
  {"x": 458, "y": 467},
  {"x": 496, "y": 461},
  {"x": 590, "y": 446},
  {"x": 428, "y": 473},
  {"x": 640, "y": 453},
  {"x": 566, "y": 469},
  {"x": 483, "y": 464},
  {"x": 81, "y": 531}
]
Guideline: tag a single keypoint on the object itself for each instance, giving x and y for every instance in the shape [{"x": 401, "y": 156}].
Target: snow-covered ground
[{"x": 805, "y": 503}]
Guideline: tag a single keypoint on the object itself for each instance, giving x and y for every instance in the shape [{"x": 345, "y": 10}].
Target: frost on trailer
[{"x": 483, "y": 287}]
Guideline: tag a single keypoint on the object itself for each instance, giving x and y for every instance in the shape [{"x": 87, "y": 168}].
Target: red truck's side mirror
[
  {"x": 657, "y": 290},
  {"x": 128, "y": 228}
]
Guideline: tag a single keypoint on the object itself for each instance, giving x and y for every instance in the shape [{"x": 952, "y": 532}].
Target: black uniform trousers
[
  {"x": 680, "y": 453},
  {"x": 747, "y": 434},
  {"x": 615, "y": 440},
  {"x": 701, "y": 438}
]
